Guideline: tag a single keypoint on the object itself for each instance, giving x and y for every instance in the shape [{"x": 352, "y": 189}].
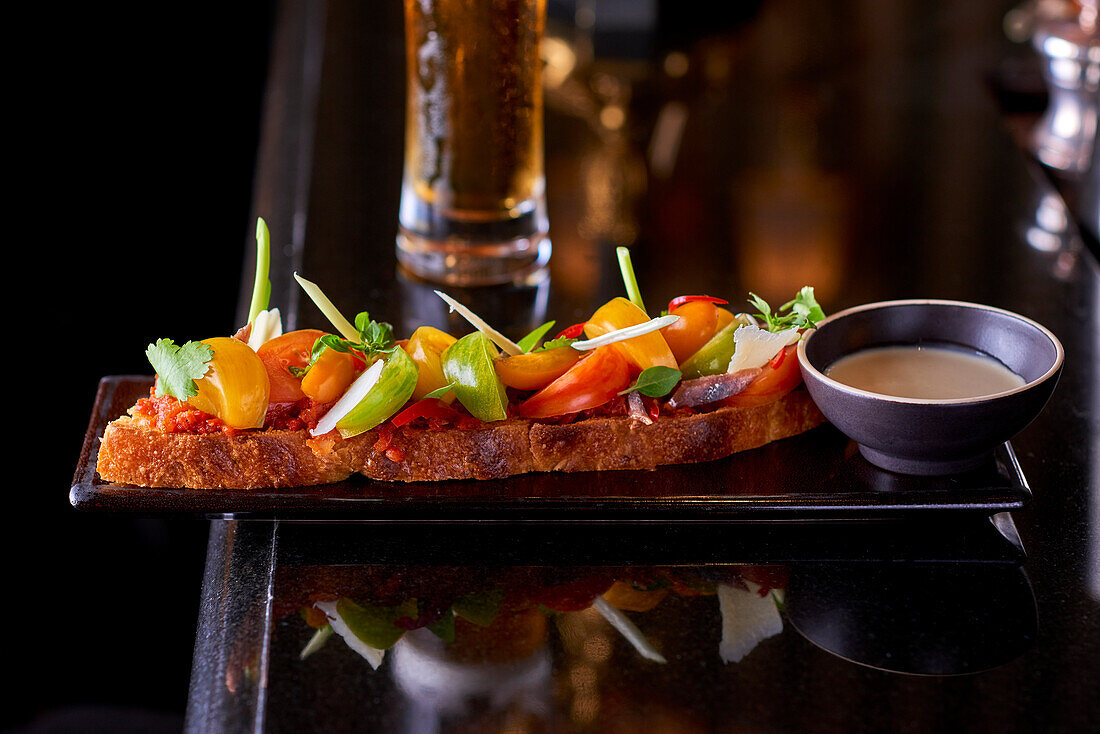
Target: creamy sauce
[{"x": 936, "y": 373}]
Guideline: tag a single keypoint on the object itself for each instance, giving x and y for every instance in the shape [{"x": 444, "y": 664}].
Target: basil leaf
[
  {"x": 528, "y": 342},
  {"x": 655, "y": 382}
]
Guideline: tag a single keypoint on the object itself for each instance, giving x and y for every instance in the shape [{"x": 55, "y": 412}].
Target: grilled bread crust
[{"x": 131, "y": 453}]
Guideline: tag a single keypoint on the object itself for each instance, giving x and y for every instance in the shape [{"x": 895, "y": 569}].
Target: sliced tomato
[
  {"x": 292, "y": 349},
  {"x": 781, "y": 375},
  {"x": 643, "y": 352},
  {"x": 589, "y": 383},
  {"x": 535, "y": 370}
]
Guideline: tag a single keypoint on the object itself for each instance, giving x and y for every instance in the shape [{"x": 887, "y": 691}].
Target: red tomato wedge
[
  {"x": 589, "y": 383},
  {"x": 780, "y": 377},
  {"x": 279, "y": 354}
]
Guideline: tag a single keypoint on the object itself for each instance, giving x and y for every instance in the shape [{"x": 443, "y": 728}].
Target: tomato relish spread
[{"x": 169, "y": 415}]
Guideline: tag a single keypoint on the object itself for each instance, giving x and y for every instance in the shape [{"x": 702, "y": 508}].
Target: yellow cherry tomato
[
  {"x": 425, "y": 347},
  {"x": 235, "y": 387},
  {"x": 535, "y": 370},
  {"x": 642, "y": 352},
  {"x": 330, "y": 376}
]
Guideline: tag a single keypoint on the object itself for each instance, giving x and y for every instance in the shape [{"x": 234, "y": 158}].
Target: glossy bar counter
[{"x": 874, "y": 151}]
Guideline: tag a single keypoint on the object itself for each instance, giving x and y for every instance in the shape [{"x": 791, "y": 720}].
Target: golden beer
[{"x": 473, "y": 205}]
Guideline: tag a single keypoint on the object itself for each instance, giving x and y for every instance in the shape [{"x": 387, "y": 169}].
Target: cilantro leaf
[
  {"x": 178, "y": 367},
  {"x": 655, "y": 382},
  {"x": 528, "y": 342}
]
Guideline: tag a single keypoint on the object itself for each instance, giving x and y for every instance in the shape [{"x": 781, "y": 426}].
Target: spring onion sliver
[
  {"x": 372, "y": 654},
  {"x": 626, "y": 628},
  {"x": 320, "y": 637},
  {"x": 628, "y": 333},
  {"x": 330, "y": 311},
  {"x": 358, "y": 390},
  {"x": 266, "y": 325},
  {"x": 261, "y": 289},
  {"x": 629, "y": 280},
  {"x": 506, "y": 345}
]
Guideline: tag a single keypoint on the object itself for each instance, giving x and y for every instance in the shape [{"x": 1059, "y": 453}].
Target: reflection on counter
[{"x": 535, "y": 648}]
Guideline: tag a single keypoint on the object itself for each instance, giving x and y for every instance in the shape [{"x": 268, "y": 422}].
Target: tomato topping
[
  {"x": 572, "y": 332},
  {"x": 641, "y": 352},
  {"x": 573, "y": 596},
  {"x": 535, "y": 370},
  {"x": 591, "y": 382},
  {"x": 780, "y": 377},
  {"x": 697, "y": 324},
  {"x": 675, "y": 303},
  {"x": 330, "y": 376},
  {"x": 426, "y": 408},
  {"x": 292, "y": 349}
]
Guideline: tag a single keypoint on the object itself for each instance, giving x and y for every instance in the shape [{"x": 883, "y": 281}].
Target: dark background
[{"x": 143, "y": 123}]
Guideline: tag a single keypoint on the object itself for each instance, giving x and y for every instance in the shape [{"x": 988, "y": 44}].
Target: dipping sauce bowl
[{"x": 921, "y": 435}]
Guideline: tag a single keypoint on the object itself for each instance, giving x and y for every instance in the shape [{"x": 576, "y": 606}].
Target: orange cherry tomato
[
  {"x": 591, "y": 382},
  {"x": 643, "y": 352},
  {"x": 780, "y": 376},
  {"x": 725, "y": 317},
  {"x": 535, "y": 370},
  {"x": 623, "y": 596},
  {"x": 292, "y": 349},
  {"x": 698, "y": 323},
  {"x": 330, "y": 376}
]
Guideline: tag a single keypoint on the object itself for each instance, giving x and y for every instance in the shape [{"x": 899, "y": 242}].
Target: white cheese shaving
[
  {"x": 623, "y": 334},
  {"x": 754, "y": 347},
  {"x": 330, "y": 311},
  {"x": 266, "y": 326},
  {"x": 372, "y": 654},
  {"x": 506, "y": 345},
  {"x": 626, "y": 628},
  {"x": 355, "y": 393},
  {"x": 747, "y": 619}
]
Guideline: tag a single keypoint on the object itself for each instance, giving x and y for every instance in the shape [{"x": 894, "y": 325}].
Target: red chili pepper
[
  {"x": 778, "y": 358},
  {"x": 426, "y": 408},
  {"x": 573, "y": 331},
  {"x": 675, "y": 303}
]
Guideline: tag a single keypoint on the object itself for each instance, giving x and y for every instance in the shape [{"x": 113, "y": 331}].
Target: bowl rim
[{"x": 804, "y": 361}]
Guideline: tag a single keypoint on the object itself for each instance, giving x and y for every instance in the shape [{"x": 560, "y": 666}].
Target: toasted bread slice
[{"x": 130, "y": 453}]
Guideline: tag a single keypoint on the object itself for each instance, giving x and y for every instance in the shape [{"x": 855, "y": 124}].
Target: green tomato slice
[
  {"x": 394, "y": 388},
  {"x": 375, "y": 625},
  {"x": 468, "y": 365},
  {"x": 714, "y": 357}
]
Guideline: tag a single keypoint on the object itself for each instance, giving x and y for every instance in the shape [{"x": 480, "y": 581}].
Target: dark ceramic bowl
[{"x": 923, "y": 436}]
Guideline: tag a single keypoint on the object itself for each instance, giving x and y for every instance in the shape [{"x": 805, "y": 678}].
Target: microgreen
[
  {"x": 528, "y": 342},
  {"x": 655, "y": 382},
  {"x": 802, "y": 311},
  {"x": 178, "y": 367}
]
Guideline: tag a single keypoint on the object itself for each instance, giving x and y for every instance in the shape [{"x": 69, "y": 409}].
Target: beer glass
[{"x": 473, "y": 201}]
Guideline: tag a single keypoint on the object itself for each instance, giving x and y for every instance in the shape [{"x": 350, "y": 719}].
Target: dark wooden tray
[{"x": 818, "y": 475}]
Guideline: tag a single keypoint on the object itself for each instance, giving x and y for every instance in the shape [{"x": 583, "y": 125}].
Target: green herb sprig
[
  {"x": 802, "y": 311},
  {"x": 178, "y": 367}
]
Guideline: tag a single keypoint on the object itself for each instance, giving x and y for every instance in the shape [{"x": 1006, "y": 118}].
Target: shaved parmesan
[
  {"x": 355, "y": 393},
  {"x": 623, "y": 334},
  {"x": 626, "y": 628},
  {"x": 747, "y": 619},
  {"x": 372, "y": 654},
  {"x": 754, "y": 347},
  {"x": 506, "y": 345},
  {"x": 266, "y": 326}
]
